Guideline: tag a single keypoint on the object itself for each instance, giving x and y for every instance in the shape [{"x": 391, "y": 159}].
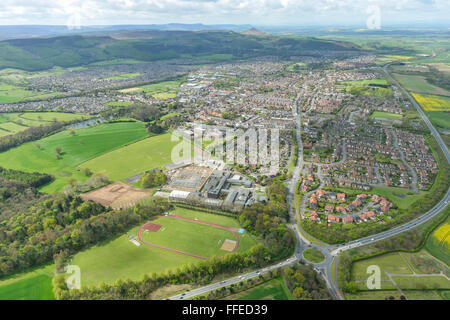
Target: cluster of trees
[
  {"x": 30, "y": 134},
  {"x": 305, "y": 284},
  {"x": 154, "y": 178},
  {"x": 95, "y": 181},
  {"x": 16, "y": 196},
  {"x": 156, "y": 127},
  {"x": 63, "y": 222},
  {"x": 34, "y": 179},
  {"x": 268, "y": 222}
]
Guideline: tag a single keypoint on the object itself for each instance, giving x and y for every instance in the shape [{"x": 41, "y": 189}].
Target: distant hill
[
  {"x": 255, "y": 32},
  {"x": 76, "y": 50},
  {"x": 30, "y": 31}
]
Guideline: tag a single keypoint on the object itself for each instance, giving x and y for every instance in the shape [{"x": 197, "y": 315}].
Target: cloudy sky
[{"x": 256, "y": 12}]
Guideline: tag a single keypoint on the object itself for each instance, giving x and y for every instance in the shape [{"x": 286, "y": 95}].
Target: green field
[
  {"x": 184, "y": 235},
  {"x": 135, "y": 158},
  {"x": 385, "y": 115},
  {"x": 313, "y": 255},
  {"x": 86, "y": 144},
  {"x": 31, "y": 285},
  {"x": 119, "y": 103},
  {"x": 11, "y": 93},
  {"x": 418, "y": 271},
  {"x": 11, "y": 123},
  {"x": 120, "y": 258},
  {"x": 274, "y": 289},
  {"x": 161, "y": 90},
  {"x": 367, "y": 82},
  {"x": 418, "y": 84}
]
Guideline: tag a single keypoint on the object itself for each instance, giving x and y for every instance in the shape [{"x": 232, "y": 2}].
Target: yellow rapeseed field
[
  {"x": 442, "y": 234},
  {"x": 432, "y": 102}
]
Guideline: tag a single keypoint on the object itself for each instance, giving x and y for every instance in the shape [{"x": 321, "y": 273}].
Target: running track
[{"x": 232, "y": 230}]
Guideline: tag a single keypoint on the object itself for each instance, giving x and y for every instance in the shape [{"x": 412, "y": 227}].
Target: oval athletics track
[{"x": 232, "y": 230}]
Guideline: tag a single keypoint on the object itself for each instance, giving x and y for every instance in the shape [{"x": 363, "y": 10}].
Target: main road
[{"x": 330, "y": 251}]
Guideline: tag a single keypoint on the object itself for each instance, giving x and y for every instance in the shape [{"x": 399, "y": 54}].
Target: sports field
[
  {"x": 385, "y": 115},
  {"x": 121, "y": 258},
  {"x": 162, "y": 90},
  {"x": 86, "y": 144}
]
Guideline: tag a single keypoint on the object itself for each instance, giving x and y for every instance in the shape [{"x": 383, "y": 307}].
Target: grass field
[
  {"x": 313, "y": 255},
  {"x": 119, "y": 103},
  {"x": 134, "y": 158},
  {"x": 385, "y": 115},
  {"x": 419, "y": 84},
  {"x": 11, "y": 93},
  {"x": 86, "y": 144},
  {"x": 184, "y": 235},
  {"x": 162, "y": 90},
  {"x": 31, "y": 285},
  {"x": 11, "y": 123},
  {"x": 418, "y": 271},
  {"x": 367, "y": 82},
  {"x": 274, "y": 289},
  {"x": 120, "y": 258}
]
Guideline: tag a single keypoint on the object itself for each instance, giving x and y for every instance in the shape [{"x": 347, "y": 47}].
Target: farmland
[
  {"x": 418, "y": 84},
  {"x": 11, "y": 123},
  {"x": 77, "y": 146},
  {"x": 438, "y": 243},
  {"x": 120, "y": 258},
  {"x": 436, "y": 107}
]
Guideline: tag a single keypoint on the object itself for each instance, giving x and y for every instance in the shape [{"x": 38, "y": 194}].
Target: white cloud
[{"x": 215, "y": 11}]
